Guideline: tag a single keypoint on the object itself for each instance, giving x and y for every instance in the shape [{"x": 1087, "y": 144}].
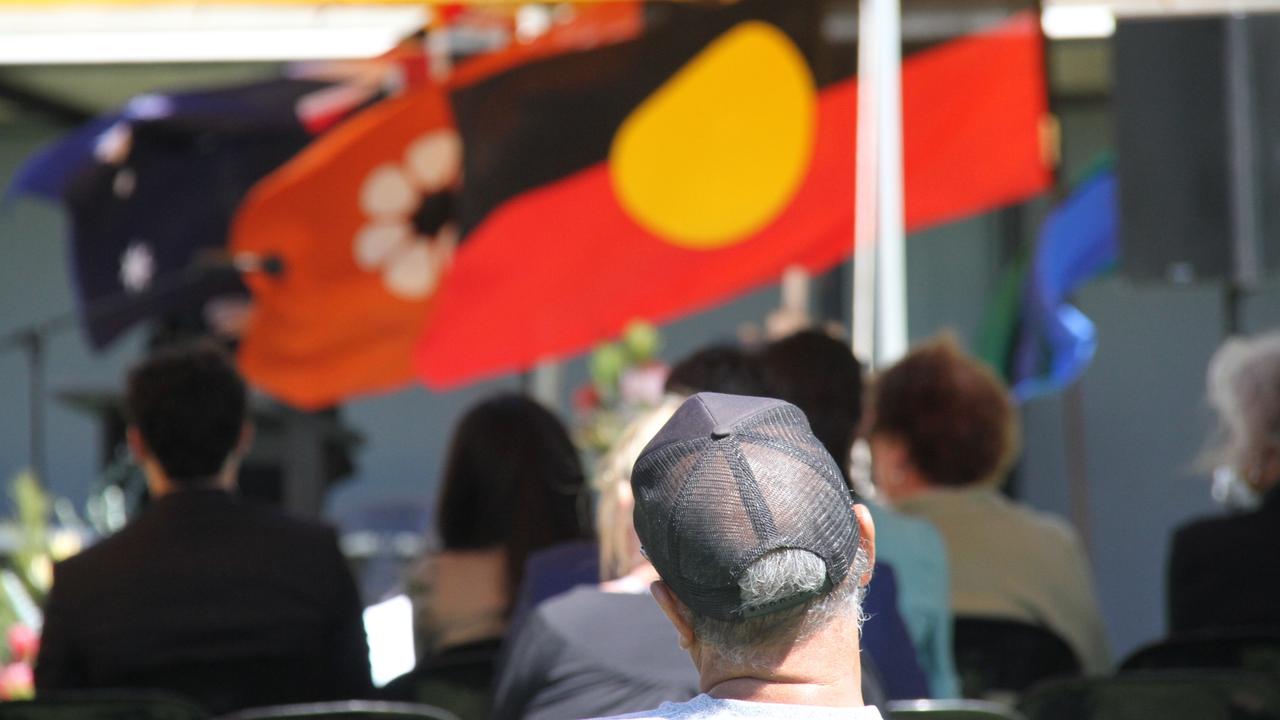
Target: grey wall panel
[{"x": 1146, "y": 422}]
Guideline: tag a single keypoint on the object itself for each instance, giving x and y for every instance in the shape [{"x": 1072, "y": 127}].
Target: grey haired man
[{"x": 764, "y": 557}]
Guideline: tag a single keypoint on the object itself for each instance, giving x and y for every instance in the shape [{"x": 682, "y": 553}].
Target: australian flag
[{"x": 152, "y": 189}]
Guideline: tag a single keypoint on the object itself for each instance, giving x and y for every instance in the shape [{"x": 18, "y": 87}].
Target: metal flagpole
[
  {"x": 891, "y": 260},
  {"x": 879, "y": 287},
  {"x": 864, "y": 228}
]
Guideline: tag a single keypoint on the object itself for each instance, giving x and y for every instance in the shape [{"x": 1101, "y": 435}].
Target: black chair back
[
  {"x": 235, "y": 681},
  {"x": 950, "y": 710},
  {"x": 996, "y": 657},
  {"x": 344, "y": 710},
  {"x": 1157, "y": 695},
  {"x": 104, "y": 705},
  {"x": 1257, "y": 651}
]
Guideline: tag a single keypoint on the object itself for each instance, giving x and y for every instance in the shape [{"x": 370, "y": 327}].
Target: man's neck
[
  {"x": 824, "y": 670},
  {"x": 160, "y": 484},
  {"x": 796, "y": 692}
]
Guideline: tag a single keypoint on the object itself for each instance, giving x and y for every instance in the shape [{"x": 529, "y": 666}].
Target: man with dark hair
[
  {"x": 723, "y": 368},
  {"x": 186, "y": 410},
  {"x": 763, "y": 557},
  {"x": 818, "y": 374},
  {"x": 228, "y": 603}
]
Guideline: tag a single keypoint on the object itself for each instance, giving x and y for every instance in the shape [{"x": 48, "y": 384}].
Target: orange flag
[{"x": 362, "y": 222}]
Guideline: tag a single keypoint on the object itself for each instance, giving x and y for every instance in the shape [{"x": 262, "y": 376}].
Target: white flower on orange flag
[{"x": 408, "y": 236}]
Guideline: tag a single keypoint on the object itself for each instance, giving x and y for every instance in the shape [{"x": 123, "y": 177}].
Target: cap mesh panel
[{"x": 707, "y": 508}]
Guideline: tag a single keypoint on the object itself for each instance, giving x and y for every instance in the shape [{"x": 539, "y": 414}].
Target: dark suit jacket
[
  {"x": 1224, "y": 572},
  {"x": 229, "y": 603}
]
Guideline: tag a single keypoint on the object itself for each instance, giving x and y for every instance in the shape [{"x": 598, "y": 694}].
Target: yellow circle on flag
[{"x": 719, "y": 150}]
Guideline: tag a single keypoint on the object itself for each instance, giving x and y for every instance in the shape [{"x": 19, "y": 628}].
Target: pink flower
[
  {"x": 586, "y": 399},
  {"x": 17, "y": 682},
  {"x": 644, "y": 385},
  {"x": 24, "y": 643}
]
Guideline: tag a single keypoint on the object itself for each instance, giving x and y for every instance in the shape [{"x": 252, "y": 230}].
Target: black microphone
[
  {"x": 270, "y": 265},
  {"x": 244, "y": 263}
]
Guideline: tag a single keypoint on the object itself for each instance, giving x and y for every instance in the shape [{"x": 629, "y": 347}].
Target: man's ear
[
  {"x": 867, "y": 533},
  {"x": 674, "y": 611},
  {"x": 137, "y": 446}
]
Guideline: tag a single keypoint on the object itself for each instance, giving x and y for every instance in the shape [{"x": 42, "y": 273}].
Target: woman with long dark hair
[{"x": 512, "y": 485}]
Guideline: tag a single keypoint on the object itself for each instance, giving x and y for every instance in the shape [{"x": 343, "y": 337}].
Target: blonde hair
[
  {"x": 1243, "y": 386},
  {"x": 612, "y": 483}
]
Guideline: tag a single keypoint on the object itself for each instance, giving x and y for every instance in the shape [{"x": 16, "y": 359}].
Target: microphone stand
[{"x": 33, "y": 339}]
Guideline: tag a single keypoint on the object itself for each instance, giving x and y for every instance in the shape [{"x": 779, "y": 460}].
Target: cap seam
[
  {"x": 803, "y": 458},
  {"x": 774, "y": 404},
  {"x": 677, "y": 513},
  {"x": 772, "y": 528}
]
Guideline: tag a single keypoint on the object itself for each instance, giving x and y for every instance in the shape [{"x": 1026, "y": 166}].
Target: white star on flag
[{"x": 137, "y": 267}]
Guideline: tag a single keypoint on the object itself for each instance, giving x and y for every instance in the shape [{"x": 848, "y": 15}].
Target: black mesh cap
[{"x": 728, "y": 479}]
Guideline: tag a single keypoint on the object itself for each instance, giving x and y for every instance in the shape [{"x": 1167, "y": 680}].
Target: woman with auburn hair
[{"x": 944, "y": 432}]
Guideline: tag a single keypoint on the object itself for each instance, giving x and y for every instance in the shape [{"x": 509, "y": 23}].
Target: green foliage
[
  {"x": 998, "y": 335},
  {"x": 641, "y": 341},
  {"x": 33, "y": 508},
  {"x": 25, "y": 575},
  {"x": 606, "y": 365},
  {"x": 626, "y": 378}
]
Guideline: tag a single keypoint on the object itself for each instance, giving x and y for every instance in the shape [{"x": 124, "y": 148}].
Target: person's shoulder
[
  {"x": 83, "y": 564},
  {"x": 1049, "y": 526},
  {"x": 571, "y": 611},
  {"x": 1207, "y": 535},
  {"x": 692, "y": 710},
  {"x": 267, "y": 535},
  {"x": 587, "y": 606},
  {"x": 102, "y": 554},
  {"x": 747, "y": 710},
  {"x": 919, "y": 531},
  {"x": 1216, "y": 525},
  {"x": 574, "y": 600},
  {"x": 704, "y": 707},
  {"x": 1200, "y": 527},
  {"x": 273, "y": 519}
]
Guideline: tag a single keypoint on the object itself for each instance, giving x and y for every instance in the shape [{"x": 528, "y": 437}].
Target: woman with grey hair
[{"x": 1223, "y": 572}]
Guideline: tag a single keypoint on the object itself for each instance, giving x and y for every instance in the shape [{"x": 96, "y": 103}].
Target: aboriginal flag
[{"x": 660, "y": 176}]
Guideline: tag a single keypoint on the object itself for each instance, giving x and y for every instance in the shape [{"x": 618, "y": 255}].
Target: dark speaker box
[{"x": 1198, "y": 146}]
